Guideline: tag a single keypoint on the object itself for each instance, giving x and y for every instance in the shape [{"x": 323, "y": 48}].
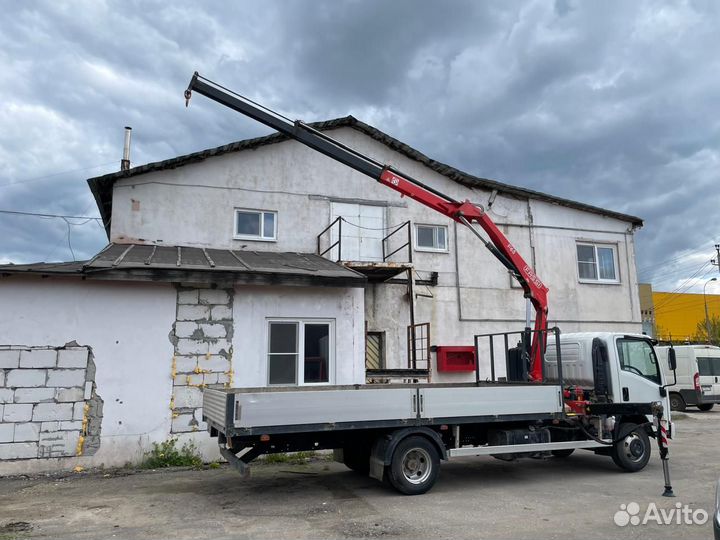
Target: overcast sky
[{"x": 610, "y": 103}]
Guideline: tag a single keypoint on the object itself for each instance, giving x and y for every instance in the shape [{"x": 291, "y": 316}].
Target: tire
[
  {"x": 677, "y": 403},
  {"x": 632, "y": 452},
  {"x": 563, "y": 453},
  {"x": 415, "y": 466},
  {"x": 357, "y": 459},
  {"x": 705, "y": 406}
]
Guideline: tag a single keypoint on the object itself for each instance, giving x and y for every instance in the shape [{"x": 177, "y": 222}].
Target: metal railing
[
  {"x": 407, "y": 244},
  {"x": 523, "y": 349},
  {"x": 339, "y": 220}
]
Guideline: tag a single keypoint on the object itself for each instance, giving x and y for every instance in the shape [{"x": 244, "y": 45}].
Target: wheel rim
[
  {"x": 416, "y": 465},
  {"x": 674, "y": 403},
  {"x": 634, "y": 448}
]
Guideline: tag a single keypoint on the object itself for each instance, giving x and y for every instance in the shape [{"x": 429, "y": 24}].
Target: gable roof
[{"x": 101, "y": 186}]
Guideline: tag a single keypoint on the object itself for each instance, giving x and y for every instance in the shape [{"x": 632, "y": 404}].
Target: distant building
[{"x": 675, "y": 316}]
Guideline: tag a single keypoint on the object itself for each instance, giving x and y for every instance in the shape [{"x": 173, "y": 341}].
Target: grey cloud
[{"x": 610, "y": 103}]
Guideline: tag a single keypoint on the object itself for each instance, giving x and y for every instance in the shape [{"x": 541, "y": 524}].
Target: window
[
  {"x": 708, "y": 366},
  {"x": 638, "y": 357},
  {"x": 597, "y": 263},
  {"x": 431, "y": 237},
  {"x": 255, "y": 225},
  {"x": 299, "y": 352}
]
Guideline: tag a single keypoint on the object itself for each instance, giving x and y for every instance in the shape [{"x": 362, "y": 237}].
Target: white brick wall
[
  {"x": 38, "y": 358},
  {"x": 43, "y": 393},
  {"x": 203, "y": 347}
]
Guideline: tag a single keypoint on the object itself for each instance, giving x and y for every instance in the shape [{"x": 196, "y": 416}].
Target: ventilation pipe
[{"x": 125, "y": 163}]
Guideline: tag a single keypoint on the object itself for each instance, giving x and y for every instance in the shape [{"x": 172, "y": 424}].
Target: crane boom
[{"x": 463, "y": 212}]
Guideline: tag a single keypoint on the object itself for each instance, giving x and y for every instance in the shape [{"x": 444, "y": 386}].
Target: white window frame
[
  {"x": 595, "y": 246},
  {"x": 301, "y": 322},
  {"x": 260, "y": 237},
  {"x": 435, "y": 226}
]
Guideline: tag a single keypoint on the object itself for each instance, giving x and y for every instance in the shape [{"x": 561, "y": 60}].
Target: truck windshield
[{"x": 637, "y": 356}]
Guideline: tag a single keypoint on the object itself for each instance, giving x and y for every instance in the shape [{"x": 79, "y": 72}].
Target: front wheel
[
  {"x": 705, "y": 406},
  {"x": 677, "y": 403},
  {"x": 632, "y": 451},
  {"x": 415, "y": 466}
]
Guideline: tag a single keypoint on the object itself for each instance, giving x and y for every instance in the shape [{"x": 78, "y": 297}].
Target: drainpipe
[{"x": 125, "y": 163}]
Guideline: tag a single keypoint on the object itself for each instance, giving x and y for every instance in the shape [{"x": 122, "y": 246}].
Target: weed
[
  {"x": 166, "y": 454},
  {"x": 292, "y": 458}
]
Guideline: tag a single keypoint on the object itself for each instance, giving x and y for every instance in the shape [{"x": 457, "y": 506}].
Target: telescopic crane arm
[{"x": 464, "y": 212}]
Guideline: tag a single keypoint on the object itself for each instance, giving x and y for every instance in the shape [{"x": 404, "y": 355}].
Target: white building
[{"x": 213, "y": 276}]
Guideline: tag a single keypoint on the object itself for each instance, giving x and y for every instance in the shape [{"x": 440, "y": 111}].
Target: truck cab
[{"x": 611, "y": 367}]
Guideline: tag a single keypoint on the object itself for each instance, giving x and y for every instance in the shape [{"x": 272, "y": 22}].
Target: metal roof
[
  {"x": 191, "y": 264},
  {"x": 101, "y": 186}
]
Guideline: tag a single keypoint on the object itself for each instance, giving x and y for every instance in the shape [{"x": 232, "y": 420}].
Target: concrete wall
[{"x": 474, "y": 294}]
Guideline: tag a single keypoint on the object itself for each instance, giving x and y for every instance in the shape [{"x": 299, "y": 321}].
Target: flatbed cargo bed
[{"x": 248, "y": 411}]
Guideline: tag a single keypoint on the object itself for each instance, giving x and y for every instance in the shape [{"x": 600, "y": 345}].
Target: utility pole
[{"x": 716, "y": 260}]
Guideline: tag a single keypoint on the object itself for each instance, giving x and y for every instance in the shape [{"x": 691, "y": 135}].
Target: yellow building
[{"x": 674, "y": 316}]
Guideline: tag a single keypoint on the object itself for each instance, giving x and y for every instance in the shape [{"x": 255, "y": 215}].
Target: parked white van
[{"x": 698, "y": 376}]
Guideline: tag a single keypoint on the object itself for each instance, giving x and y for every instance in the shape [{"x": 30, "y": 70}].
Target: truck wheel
[
  {"x": 677, "y": 403},
  {"x": 632, "y": 451},
  {"x": 415, "y": 466},
  {"x": 357, "y": 459},
  {"x": 705, "y": 406},
  {"x": 563, "y": 453}
]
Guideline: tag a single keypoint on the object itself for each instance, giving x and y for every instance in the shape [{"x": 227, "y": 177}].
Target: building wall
[
  {"x": 92, "y": 373},
  {"x": 49, "y": 406},
  {"x": 193, "y": 205},
  {"x": 253, "y": 306},
  {"x": 126, "y": 327},
  {"x": 677, "y": 315}
]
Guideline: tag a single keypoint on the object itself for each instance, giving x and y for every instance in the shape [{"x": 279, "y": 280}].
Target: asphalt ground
[{"x": 574, "y": 497}]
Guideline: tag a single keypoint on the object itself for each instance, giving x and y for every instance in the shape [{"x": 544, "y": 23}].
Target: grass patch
[
  {"x": 167, "y": 454},
  {"x": 292, "y": 458}
]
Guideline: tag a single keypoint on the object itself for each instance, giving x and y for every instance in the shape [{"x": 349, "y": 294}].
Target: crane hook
[{"x": 188, "y": 95}]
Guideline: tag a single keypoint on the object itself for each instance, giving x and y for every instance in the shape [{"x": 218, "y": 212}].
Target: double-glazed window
[
  {"x": 255, "y": 225},
  {"x": 300, "y": 352},
  {"x": 597, "y": 262},
  {"x": 638, "y": 357},
  {"x": 431, "y": 238}
]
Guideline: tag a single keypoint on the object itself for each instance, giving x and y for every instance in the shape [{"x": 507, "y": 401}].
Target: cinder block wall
[
  {"x": 49, "y": 406},
  {"x": 202, "y": 337}
]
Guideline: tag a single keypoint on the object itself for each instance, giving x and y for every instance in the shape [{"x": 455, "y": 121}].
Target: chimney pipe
[{"x": 125, "y": 163}]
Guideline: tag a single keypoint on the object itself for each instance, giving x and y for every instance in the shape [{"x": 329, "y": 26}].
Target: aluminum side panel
[
  {"x": 489, "y": 401},
  {"x": 307, "y": 407}
]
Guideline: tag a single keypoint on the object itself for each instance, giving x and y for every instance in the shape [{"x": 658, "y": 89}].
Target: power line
[
  {"x": 38, "y": 214},
  {"x": 37, "y": 178},
  {"x": 683, "y": 284}
]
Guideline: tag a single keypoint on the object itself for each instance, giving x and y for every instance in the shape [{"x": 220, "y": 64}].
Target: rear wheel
[
  {"x": 415, "y": 466},
  {"x": 632, "y": 451},
  {"x": 677, "y": 403},
  {"x": 705, "y": 406},
  {"x": 563, "y": 453}
]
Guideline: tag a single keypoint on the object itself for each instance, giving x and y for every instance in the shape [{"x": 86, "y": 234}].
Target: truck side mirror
[{"x": 672, "y": 361}]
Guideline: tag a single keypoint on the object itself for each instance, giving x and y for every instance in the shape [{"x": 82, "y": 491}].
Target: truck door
[{"x": 639, "y": 373}]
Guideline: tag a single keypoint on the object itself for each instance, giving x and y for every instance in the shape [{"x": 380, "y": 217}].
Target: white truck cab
[
  {"x": 698, "y": 376},
  {"x": 616, "y": 367}
]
